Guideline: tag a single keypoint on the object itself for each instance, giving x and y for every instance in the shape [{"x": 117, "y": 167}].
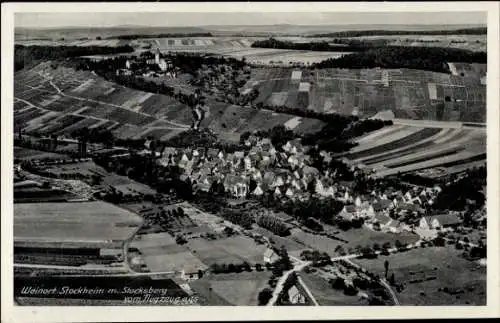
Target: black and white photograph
[{"x": 169, "y": 158}]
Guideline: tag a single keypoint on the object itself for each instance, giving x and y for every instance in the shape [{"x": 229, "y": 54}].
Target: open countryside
[{"x": 255, "y": 167}]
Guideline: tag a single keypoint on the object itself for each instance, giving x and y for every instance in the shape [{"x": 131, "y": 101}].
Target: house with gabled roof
[
  {"x": 349, "y": 212},
  {"x": 237, "y": 186},
  {"x": 270, "y": 256},
  {"x": 294, "y": 146},
  {"x": 441, "y": 221},
  {"x": 278, "y": 181},
  {"x": 258, "y": 191}
]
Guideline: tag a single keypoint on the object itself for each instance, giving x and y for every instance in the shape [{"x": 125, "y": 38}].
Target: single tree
[{"x": 386, "y": 266}]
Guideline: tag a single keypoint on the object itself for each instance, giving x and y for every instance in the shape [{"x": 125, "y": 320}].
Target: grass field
[
  {"x": 85, "y": 222},
  {"x": 231, "y": 289},
  {"x": 324, "y": 294},
  {"x": 234, "y": 249},
  {"x": 445, "y": 264},
  {"x": 367, "y": 237},
  {"x": 31, "y": 154}
]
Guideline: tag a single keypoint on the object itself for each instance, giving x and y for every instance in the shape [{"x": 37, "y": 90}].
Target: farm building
[
  {"x": 441, "y": 221},
  {"x": 270, "y": 256},
  {"x": 295, "y": 296}
]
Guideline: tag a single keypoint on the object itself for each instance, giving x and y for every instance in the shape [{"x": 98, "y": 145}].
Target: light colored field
[
  {"x": 304, "y": 87},
  {"x": 384, "y": 139},
  {"x": 173, "y": 262},
  {"x": 234, "y": 249},
  {"x": 231, "y": 289},
  {"x": 296, "y": 75},
  {"x": 85, "y": 222},
  {"x": 293, "y": 123},
  {"x": 278, "y": 98}
]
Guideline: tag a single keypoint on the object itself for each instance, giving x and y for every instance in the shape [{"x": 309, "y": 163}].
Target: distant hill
[
  {"x": 217, "y": 30},
  {"x": 103, "y": 32}
]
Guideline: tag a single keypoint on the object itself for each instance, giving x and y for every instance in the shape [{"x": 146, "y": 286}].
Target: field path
[
  {"x": 59, "y": 91},
  {"x": 383, "y": 282}
]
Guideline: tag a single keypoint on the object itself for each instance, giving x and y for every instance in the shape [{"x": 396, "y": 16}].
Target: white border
[{"x": 11, "y": 313}]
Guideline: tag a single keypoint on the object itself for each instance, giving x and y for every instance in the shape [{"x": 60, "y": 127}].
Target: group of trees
[
  {"x": 378, "y": 32},
  {"x": 320, "y": 209},
  {"x": 463, "y": 193},
  {"x": 422, "y": 58},
  {"x": 323, "y": 46},
  {"x": 161, "y": 35},
  {"x": 359, "y": 128},
  {"x": 26, "y": 55},
  {"x": 239, "y": 218},
  {"x": 230, "y": 268},
  {"x": 274, "y": 225},
  {"x": 279, "y": 135},
  {"x": 318, "y": 259}
]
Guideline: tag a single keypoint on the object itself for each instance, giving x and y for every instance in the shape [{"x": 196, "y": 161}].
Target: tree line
[
  {"x": 423, "y": 58},
  {"x": 162, "y": 35},
  {"x": 322, "y": 46},
  {"x": 379, "y": 32},
  {"x": 27, "y": 55}
]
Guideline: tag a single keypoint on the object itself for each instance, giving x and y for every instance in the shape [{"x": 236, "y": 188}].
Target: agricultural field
[
  {"x": 61, "y": 100},
  {"x": 26, "y": 154},
  {"x": 79, "y": 222},
  {"x": 324, "y": 294},
  {"x": 470, "y": 42},
  {"x": 465, "y": 280},
  {"x": 235, "y": 249},
  {"x": 231, "y": 289},
  {"x": 433, "y": 148},
  {"x": 409, "y": 94}
]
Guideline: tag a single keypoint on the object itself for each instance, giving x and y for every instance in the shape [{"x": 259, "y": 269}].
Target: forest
[
  {"x": 322, "y": 46},
  {"x": 28, "y": 55},
  {"x": 163, "y": 35},
  {"x": 359, "y": 33},
  {"x": 423, "y": 58}
]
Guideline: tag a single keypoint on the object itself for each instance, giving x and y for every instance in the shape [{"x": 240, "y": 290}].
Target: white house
[
  {"x": 270, "y": 256},
  {"x": 258, "y": 191},
  {"x": 295, "y": 296}
]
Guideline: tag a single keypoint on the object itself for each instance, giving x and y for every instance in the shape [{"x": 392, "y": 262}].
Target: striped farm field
[
  {"x": 408, "y": 94},
  {"x": 404, "y": 148},
  {"x": 59, "y": 100}
]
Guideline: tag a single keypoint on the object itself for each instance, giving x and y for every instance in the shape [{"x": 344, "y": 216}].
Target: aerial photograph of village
[{"x": 244, "y": 159}]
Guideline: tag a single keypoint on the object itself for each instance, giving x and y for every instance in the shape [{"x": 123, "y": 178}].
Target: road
[
  {"x": 298, "y": 266},
  {"x": 391, "y": 291}
]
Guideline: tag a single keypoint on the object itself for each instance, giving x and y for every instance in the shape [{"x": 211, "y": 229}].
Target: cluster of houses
[
  {"x": 379, "y": 210},
  {"x": 165, "y": 66},
  {"x": 261, "y": 169},
  {"x": 287, "y": 174}
]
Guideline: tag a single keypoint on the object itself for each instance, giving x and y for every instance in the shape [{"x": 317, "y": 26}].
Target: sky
[{"x": 179, "y": 19}]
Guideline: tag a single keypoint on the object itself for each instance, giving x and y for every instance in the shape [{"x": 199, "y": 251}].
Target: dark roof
[
  {"x": 446, "y": 219},
  {"x": 350, "y": 208}
]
